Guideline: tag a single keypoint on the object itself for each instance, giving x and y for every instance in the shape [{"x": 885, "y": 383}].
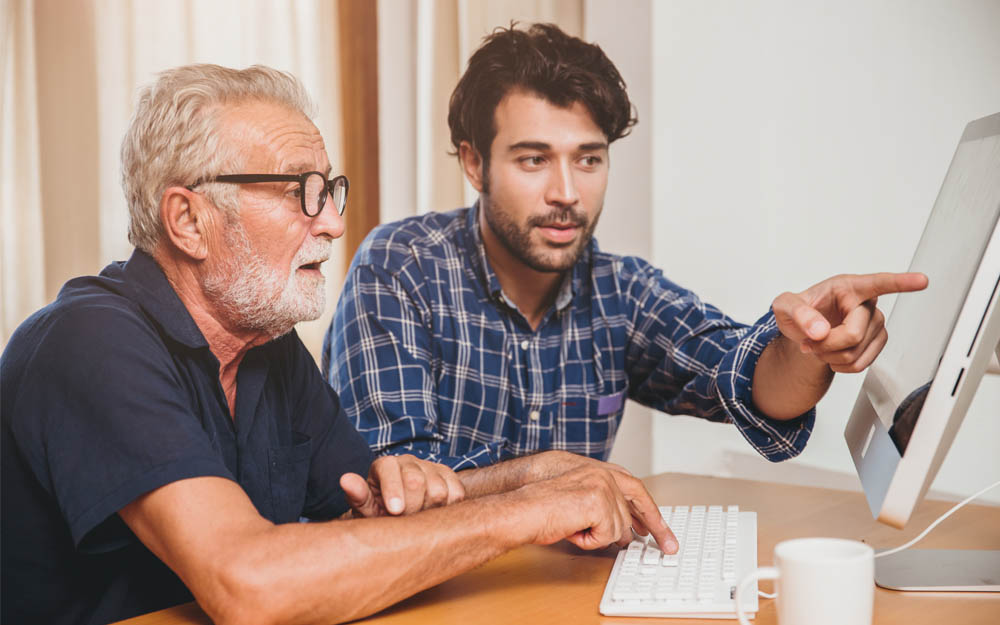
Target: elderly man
[
  {"x": 502, "y": 330},
  {"x": 164, "y": 429}
]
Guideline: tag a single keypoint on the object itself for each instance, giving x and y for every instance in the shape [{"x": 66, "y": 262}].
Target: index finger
[
  {"x": 872, "y": 285},
  {"x": 645, "y": 509},
  {"x": 389, "y": 477}
]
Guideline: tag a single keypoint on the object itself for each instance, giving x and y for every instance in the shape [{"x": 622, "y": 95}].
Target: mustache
[
  {"x": 562, "y": 216},
  {"x": 314, "y": 250}
]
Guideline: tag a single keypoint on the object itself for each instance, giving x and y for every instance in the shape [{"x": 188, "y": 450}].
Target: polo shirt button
[
  {"x": 534, "y": 415},
  {"x": 524, "y": 344}
]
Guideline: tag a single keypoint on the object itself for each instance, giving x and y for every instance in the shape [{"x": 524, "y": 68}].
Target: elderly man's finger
[
  {"x": 625, "y": 523},
  {"x": 872, "y": 285},
  {"x": 359, "y": 495},
  {"x": 437, "y": 489},
  {"x": 639, "y": 527},
  {"x": 387, "y": 474},
  {"x": 414, "y": 486},
  {"x": 456, "y": 490},
  {"x": 616, "y": 467},
  {"x": 644, "y": 510}
]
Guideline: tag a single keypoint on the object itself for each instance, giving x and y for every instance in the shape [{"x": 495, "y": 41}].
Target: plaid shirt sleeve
[
  {"x": 686, "y": 357},
  {"x": 379, "y": 358}
]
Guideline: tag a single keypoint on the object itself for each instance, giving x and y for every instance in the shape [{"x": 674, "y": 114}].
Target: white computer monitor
[{"x": 941, "y": 342}]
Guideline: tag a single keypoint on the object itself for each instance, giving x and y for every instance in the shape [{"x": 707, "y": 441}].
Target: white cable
[
  {"x": 767, "y": 595},
  {"x": 935, "y": 523}
]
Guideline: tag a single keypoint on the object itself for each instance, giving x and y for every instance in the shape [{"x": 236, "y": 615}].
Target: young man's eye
[
  {"x": 533, "y": 161},
  {"x": 591, "y": 161}
]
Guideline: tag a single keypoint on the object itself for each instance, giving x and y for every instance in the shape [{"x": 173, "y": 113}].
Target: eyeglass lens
[
  {"x": 339, "y": 193},
  {"x": 315, "y": 194}
]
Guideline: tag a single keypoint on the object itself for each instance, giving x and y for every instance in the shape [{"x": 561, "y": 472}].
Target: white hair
[{"x": 174, "y": 136}]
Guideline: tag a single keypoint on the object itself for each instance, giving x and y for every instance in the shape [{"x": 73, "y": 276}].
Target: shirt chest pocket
[
  {"x": 590, "y": 423},
  {"x": 288, "y": 469}
]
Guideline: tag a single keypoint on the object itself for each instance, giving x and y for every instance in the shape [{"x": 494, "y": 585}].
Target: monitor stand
[{"x": 941, "y": 570}]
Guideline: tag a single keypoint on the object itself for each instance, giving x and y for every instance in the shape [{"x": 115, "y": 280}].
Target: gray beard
[{"x": 253, "y": 296}]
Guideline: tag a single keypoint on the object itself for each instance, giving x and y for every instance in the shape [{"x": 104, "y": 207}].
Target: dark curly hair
[{"x": 542, "y": 60}]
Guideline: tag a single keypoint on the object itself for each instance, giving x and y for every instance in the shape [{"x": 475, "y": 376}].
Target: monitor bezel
[{"x": 895, "y": 483}]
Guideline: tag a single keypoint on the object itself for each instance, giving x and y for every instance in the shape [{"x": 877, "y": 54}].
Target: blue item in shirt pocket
[{"x": 610, "y": 404}]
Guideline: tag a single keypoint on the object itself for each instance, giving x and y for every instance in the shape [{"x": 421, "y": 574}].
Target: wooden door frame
[{"x": 358, "y": 29}]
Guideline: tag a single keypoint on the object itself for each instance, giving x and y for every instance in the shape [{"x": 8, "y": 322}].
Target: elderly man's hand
[
  {"x": 644, "y": 514},
  {"x": 399, "y": 485},
  {"x": 837, "y": 321},
  {"x": 592, "y": 506}
]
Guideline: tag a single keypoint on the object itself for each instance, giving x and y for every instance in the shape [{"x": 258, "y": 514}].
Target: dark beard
[{"x": 517, "y": 240}]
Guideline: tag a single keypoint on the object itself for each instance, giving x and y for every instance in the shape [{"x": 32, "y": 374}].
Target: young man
[
  {"x": 500, "y": 330},
  {"x": 164, "y": 429}
]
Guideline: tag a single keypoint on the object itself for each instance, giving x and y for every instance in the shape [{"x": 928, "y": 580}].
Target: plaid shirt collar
[{"x": 572, "y": 283}]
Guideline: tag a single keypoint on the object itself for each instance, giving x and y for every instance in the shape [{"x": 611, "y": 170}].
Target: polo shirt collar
[
  {"x": 152, "y": 292},
  {"x": 570, "y": 286}
]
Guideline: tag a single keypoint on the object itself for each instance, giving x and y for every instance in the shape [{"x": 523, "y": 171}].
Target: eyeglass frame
[{"x": 300, "y": 178}]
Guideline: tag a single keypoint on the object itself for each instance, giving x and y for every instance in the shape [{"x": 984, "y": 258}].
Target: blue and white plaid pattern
[{"x": 430, "y": 357}]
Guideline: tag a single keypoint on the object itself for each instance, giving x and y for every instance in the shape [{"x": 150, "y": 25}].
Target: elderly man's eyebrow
[{"x": 301, "y": 168}]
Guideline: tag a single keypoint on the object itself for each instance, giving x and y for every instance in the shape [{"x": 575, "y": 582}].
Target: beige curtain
[
  {"x": 22, "y": 262},
  {"x": 71, "y": 70},
  {"x": 85, "y": 60},
  {"x": 423, "y": 48}
]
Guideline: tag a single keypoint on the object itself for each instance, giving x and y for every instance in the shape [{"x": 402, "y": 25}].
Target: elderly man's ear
[{"x": 187, "y": 218}]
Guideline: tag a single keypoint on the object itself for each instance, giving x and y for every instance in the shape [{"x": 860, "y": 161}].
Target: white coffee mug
[{"x": 819, "y": 581}]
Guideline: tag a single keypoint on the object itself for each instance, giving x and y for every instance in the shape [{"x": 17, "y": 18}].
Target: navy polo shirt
[{"x": 110, "y": 392}]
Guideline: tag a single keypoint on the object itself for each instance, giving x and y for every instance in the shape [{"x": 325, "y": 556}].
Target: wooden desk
[{"x": 562, "y": 584}]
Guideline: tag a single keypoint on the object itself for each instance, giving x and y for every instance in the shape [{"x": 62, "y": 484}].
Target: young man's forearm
[
  {"x": 787, "y": 382},
  {"x": 517, "y": 472},
  {"x": 502, "y": 477}
]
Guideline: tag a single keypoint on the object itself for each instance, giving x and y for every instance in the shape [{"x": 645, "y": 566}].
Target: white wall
[
  {"x": 625, "y": 224},
  {"x": 797, "y": 139},
  {"x": 786, "y": 142}
]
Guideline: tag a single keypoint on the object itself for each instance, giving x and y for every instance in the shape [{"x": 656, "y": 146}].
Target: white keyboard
[{"x": 718, "y": 546}]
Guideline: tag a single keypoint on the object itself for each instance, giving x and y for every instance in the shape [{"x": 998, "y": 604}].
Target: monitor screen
[{"x": 950, "y": 249}]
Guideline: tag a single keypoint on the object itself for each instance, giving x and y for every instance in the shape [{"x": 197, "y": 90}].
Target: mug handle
[{"x": 764, "y": 572}]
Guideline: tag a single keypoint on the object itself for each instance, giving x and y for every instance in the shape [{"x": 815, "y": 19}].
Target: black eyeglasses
[{"x": 313, "y": 188}]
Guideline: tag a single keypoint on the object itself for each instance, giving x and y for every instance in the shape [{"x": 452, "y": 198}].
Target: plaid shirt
[{"x": 431, "y": 358}]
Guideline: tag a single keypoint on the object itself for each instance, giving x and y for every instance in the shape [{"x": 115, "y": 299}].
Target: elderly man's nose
[{"x": 329, "y": 221}]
